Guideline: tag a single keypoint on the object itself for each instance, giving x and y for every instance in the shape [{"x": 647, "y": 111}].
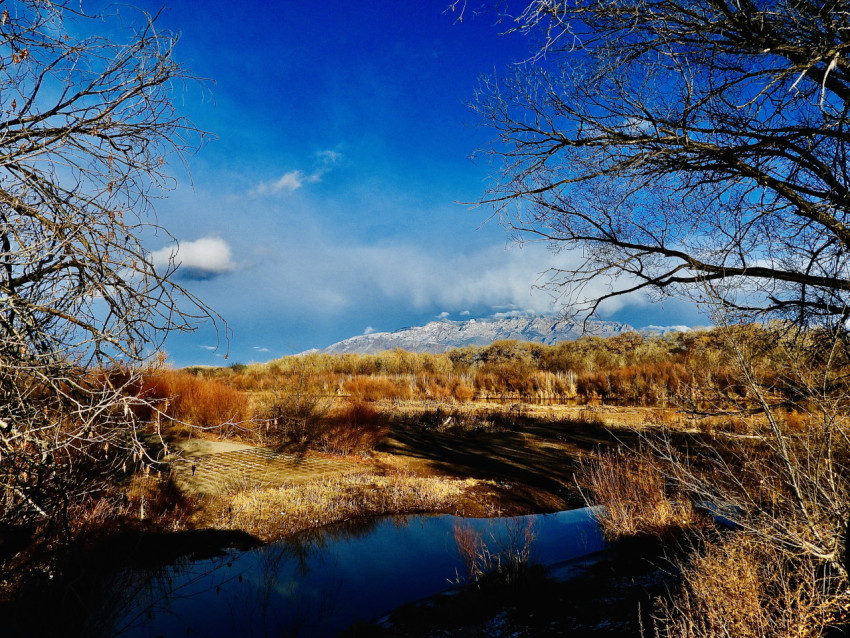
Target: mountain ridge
[{"x": 441, "y": 336}]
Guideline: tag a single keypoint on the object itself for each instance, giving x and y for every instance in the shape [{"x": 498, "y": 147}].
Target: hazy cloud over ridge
[{"x": 318, "y": 278}]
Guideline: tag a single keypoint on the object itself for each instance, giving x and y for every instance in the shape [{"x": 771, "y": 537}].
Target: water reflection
[{"x": 325, "y": 581}]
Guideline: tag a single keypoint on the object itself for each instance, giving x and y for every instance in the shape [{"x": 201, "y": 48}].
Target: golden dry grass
[
  {"x": 279, "y": 512},
  {"x": 147, "y": 496},
  {"x": 634, "y": 496},
  {"x": 742, "y": 588}
]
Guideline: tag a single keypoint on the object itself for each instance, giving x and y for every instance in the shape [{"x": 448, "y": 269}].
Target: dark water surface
[{"x": 328, "y": 580}]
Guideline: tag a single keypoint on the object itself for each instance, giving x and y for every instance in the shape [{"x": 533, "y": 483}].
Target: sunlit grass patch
[
  {"x": 273, "y": 513},
  {"x": 741, "y": 586},
  {"x": 635, "y": 497}
]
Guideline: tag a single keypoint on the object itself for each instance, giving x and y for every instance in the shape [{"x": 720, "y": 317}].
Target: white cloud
[
  {"x": 369, "y": 330},
  {"x": 329, "y": 157},
  {"x": 290, "y": 181},
  {"x": 211, "y": 348},
  {"x": 512, "y": 314},
  {"x": 293, "y": 180},
  {"x": 312, "y": 275},
  {"x": 260, "y": 349},
  {"x": 444, "y": 315},
  {"x": 203, "y": 258},
  {"x": 465, "y": 313},
  {"x": 666, "y": 329}
]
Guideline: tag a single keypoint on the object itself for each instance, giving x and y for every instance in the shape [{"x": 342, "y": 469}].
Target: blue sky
[{"x": 328, "y": 204}]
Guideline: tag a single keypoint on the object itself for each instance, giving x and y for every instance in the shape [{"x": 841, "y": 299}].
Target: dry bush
[
  {"x": 722, "y": 423},
  {"x": 367, "y": 388},
  {"x": 504, "y": 378},
  {"x": 631, "y": 370},
  {"x": 740, "y": 587},
  {"x": 800, "y": 422},
  {"x": 440, "y": 386},
  {"x": 593, "y": 385},
  {"x": 205, "y": 403},
  {"x": 157, "y": 498},
  {"x": 290, "y": 413},
  {"x": 634, "y": 495},
  {"x": 357, "y": 428},
  {"x": 279, "y": 512},
  {"x": 470, "y": 546},
  {"x": 147, "y": 496},
  {"x": 461, "y": 420},
  {"x": 500, "y": 560},
  {"x": 554, "y": 384},
  {"x": 463, "y": 390}
]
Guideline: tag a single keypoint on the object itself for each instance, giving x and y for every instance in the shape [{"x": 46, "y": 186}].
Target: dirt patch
[{"x": 211, "y": 467}]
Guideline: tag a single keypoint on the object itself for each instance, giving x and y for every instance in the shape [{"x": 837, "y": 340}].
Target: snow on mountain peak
[{"x": 443, "y": 335}]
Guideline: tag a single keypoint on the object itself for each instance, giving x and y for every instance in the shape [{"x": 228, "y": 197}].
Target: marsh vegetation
[{"x": 660, "y": 430}]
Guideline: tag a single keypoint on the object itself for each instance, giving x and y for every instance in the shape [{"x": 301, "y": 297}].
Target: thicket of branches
[
  {"x": 88, "y": 130},
  {"x": 700, "y": 149},
  {"x": 682, "y": 143}
]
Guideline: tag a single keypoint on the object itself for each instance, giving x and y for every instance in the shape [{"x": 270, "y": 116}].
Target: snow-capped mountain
[{"x": 440, "y": 336}]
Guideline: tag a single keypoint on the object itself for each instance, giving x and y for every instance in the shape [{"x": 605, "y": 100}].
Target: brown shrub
[
  {"x": 203, "y": 402},
  {"x": 506, "y": 377},
  {"x": 797, "y": 421},
  {"x": 157, "y": 498},
  {"x": 593, "y": 385},
  {"x": 462, "y": 391},
  {"x": 744, "y": 588},
  {"x": 147, "y": 496},
  {"x": 367, "y": 388},
  {"x": 634, "y": 496},
  {"x": 358, "y": 428},
  {"x": 290, "y": 413}
]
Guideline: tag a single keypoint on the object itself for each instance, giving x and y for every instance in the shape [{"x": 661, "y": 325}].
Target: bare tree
[
  {"x": 680, "y": 143},
  {"x": 88, "y": 130},
  {"x": 700, "y": 149}
]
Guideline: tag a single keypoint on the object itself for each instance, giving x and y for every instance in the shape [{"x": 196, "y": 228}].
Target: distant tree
[
  {"x": 87, "y": 132},
  {"x": 682, "y": 146}
]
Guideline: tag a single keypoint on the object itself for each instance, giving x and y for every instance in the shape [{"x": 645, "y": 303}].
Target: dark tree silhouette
[{"x": 683, "y": 146}]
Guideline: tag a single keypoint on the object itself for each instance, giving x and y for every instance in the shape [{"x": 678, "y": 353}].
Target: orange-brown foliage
[
  {"x": 357, "y": 428},
  {"x": 368, "y": 388},
  {"x": 199, "y": 401},
  {"x": 628, "y": 369}
]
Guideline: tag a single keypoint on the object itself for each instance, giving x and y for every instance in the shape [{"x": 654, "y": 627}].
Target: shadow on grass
[{"x": 532, "y": 457}]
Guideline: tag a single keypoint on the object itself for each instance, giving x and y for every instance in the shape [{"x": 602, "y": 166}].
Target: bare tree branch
[
  {"x": 88, "y": 130},
  {"x": 677, "y": 142}
]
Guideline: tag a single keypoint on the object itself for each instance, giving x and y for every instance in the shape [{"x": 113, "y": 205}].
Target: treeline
[{"x": 627, "y": 369}]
